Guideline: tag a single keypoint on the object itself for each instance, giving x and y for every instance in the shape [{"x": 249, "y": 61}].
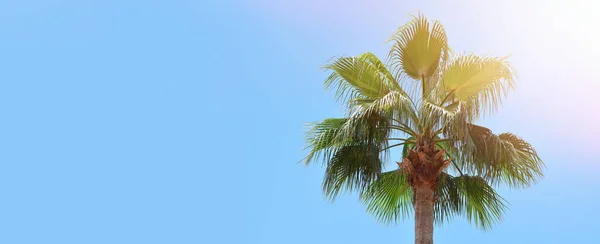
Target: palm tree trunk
[{"x": 424, "y": 214}]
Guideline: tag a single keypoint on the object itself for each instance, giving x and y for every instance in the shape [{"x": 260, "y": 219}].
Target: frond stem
[
  {"x": 403, "y": 124},
  {"x": 439, "y": 131},
  {"x": 398, "y": 139},
  {"x": 395, "y": 145},
  {"x": 447, "y": 96},
  {"x": 405, "y": 130},
  {"x": 423, "y": 85},
  {"x": 457, "y": 168}
]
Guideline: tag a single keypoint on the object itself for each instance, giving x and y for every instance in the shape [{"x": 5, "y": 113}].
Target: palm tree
[{"x": 425, "y": 100}]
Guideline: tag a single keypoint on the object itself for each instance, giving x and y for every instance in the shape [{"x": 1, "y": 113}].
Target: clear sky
[{"x": 182, "y": 121}]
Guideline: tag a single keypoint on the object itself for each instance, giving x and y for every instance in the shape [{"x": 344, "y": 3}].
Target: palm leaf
[
  {"x": 451, "y": 119},
  {"x": 479, "y": 81},
  {"x": 389, "y": 198},
  {"x": 363, "y": 77},
  {"x": 419, "y": 47},
  {"x": 504, "y": 158},
  {"x": 352, "y": 167},
  {"x": 470, "y": 196},
  {"x": 350, "y": 147},
  {"x": 324, "y": 137}
]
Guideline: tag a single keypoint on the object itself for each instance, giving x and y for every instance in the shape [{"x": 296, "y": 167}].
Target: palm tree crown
[{"x": 425, "y": 100}]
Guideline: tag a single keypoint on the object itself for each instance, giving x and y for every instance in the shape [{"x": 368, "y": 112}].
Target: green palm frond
[
  {"x": 390, "y": 80},
  {"x": 419, "y": 48},
  {"x": 504, "y": 158},
  {"x": 351, "y": 167},
  {"x": 363, "y": 77},
  {"x": 434, "y": 116},
  {"x": 389, "y": 198},
  {"x": 481, "y": 82},
  {"x": 365, "y": 124},
  {"x": 448, "y": 203},
  {"x": 394, "y": 106},
  {"x": 367, "y": 87},
  {"x": 350, "y": 147},
  {"x": 469, "y": 196},
  {"x": 324, "y": 137}
]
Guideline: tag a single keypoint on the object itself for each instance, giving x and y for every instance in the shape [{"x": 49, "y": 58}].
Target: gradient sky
[{"x": 182, "y": 121}]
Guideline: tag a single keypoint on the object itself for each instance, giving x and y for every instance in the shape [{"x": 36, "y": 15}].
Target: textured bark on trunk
[
  {"x": 424, "y": 201},
  {"x": 424, "y": 164}
]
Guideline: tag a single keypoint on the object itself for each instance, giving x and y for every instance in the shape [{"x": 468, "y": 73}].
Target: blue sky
[{"x": 182, "y": 121}]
